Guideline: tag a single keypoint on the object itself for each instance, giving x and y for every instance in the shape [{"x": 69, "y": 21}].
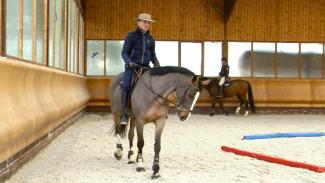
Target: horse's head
[{"x": 186, "y": 98}]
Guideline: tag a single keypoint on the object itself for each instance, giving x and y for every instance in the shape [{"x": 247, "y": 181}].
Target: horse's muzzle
[
  {"x": 183, "y": 118},
  {"x": 183, "y": 115}
]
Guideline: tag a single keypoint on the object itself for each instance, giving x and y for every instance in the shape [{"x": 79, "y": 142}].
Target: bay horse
[
  {"x": 238, "y": 87},
  {"x": 150, "y": 99}
]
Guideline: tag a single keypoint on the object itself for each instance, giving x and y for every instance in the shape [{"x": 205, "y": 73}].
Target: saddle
[{"x": 227, "y": 83}]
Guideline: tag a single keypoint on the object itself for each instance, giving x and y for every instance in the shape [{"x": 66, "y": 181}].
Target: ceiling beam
[
  {"x": 223, "y": 7},
  {"x": 216, "y": 7},
  {"x": 228, "y": 8}
]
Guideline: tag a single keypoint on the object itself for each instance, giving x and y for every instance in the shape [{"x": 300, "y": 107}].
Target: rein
[{"x": 178, "y": 105}]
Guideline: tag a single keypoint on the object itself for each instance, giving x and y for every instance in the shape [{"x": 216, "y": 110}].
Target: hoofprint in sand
[{"x": 190, "y": 152}]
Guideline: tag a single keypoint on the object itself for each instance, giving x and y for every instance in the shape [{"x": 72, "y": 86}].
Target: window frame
[{"x": 63, "y": 44}]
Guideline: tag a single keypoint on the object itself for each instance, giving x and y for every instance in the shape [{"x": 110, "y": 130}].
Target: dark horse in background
[
  {"x": 150, "y": 99},
  {"x": 239, "y": 88}
]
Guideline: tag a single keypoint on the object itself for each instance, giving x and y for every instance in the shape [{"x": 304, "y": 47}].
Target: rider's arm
[
  {"x": 154, "y": 59},
  {"x": 224, "y": 71},
  {"x": 127, "y": 46}
]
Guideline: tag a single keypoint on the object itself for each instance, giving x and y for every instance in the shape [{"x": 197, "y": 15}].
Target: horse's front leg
[
  {"x": 221, "y": 106},
  {"x": 140, "y": 144},
  {"x": 119, "y": 148},
  {"x": 158, "y": 130},
  {"x": 131, "y": 156},
  {"x": 213, "y": 105}
]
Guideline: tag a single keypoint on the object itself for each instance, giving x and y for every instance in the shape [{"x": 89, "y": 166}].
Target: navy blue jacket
[
  {"x": 139, "y": 48},
  {"x": 224, "y": 70}
]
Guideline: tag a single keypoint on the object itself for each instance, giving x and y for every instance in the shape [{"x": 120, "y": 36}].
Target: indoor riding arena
[{"x": 115, "y": 91}]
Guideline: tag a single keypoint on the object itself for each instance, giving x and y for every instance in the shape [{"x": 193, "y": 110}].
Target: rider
[
  {"x": 138, "y": 50},
  {"x": 223, "y": 75}
]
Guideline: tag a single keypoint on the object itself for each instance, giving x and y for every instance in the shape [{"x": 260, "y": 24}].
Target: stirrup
[
  {"x": 123, "y": 123},
  {"x": 124, "y": 120}
]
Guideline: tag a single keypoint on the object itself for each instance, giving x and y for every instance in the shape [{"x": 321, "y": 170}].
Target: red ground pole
[{"x": 271, "y": 159}]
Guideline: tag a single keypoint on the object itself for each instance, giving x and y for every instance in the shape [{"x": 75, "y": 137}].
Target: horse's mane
[{"x": 170, "y": 69}]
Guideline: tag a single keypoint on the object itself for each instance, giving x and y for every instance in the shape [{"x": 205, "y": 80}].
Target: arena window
[
  {"x": 95, "y": 58},
  {"x": 114, "y": 61},
  {"x": 263, "y": 59},
  {"x": 191, "y": 56},
  {"x": 239, "y": 59},
  {"x": 212, "y": 57},
  {"x": 287, "y": 59}
]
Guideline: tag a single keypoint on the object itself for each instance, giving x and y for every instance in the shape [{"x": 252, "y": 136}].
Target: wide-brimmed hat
[{"x": 145, "y": 17}]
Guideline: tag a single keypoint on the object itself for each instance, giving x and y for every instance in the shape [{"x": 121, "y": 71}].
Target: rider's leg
[
  {"x": 221, "y": 83},
  {"x": 128, "y": 74}
]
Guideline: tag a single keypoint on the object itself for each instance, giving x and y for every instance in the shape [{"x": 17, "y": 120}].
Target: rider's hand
[{"x": 133, "y": 65}]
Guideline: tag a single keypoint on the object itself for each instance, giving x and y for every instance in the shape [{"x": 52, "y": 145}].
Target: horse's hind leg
[
  {"x": 213, "y": 106},
  {"x": 131, "y": 156},
  {"x": 158, "y": 130},
  {"x": 240, "y": 105},
  {"x": 140, "y": 144},
  {"x": 119, "y": 148},
  {"x": 246, "y": 107}
]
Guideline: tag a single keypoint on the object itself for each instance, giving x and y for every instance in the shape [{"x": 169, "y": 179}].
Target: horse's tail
[
  {"x": 118, "y": 129},
  {"x": 250, "y": 98}
]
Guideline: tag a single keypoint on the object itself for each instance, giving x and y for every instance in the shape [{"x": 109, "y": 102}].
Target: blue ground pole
[{"x": 283, "y": 135}]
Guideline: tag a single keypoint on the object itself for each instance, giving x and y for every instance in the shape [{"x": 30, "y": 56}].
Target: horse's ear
[{"x": 194, "y": 78}]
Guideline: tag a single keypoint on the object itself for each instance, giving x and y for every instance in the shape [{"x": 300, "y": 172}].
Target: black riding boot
[{"x": 124, "y": 114}]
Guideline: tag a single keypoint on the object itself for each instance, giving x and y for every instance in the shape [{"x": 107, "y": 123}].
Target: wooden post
[
  {"x": 20, "y": 29},
  {"x": 105, "y": 69},
  {"x": 77, "y": 43},
  {"x": 2, "y": 29},
  {"x": 34, "y": 30},
  {"x": 53, "y": 32},
  {"x": 61, "y": 65},
  {"x": 45, "y": 34},
  {"x": 252, "y": 59},
  {"x": 85, "y": 55},
  {"x": 323, "y": 61},
  {"x": 84, "y": 48},
  {"x": 225, "y": 41},
  {"x": 66, "y": 33},
  {"x": 75, "y": 52},
  {"x": 179, "y": 53},
  {"x": 299, "y": 62},
  {"x": 81, "y": 48},
  {"x": 69, "y": 37},
  {"x": 202, "y": 59},
  {"x": 276, "y": 60}
]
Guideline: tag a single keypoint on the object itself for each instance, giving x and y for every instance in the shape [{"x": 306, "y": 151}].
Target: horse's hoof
[
  {"x": 155, "y": 168},
  {"x": 118, "y": 155},
  {"x": 131, "y": 157},
  {"x": 140, "y": 169},
  {"x": 211, "y": 114},
  {"x": 226, "y": 113},
  {"x": 155, "y": 176}
]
